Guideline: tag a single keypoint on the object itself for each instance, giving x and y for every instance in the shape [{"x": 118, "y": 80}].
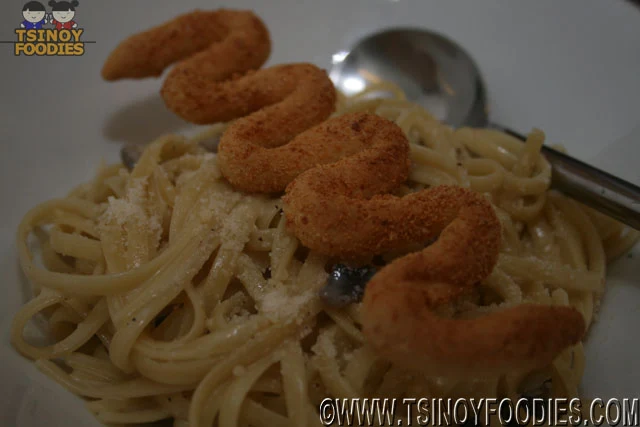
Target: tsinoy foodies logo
[{"x": 54, "y": 33}]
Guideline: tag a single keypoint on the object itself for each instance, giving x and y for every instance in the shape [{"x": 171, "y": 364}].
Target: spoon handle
[{"x": 596, "y": 188}]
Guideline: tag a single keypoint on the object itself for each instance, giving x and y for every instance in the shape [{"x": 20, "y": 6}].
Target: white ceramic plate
[{"x": 570, "y": 68}]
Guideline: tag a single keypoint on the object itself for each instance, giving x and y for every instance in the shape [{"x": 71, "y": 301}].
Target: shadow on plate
[{"x": 142, "y": 121}]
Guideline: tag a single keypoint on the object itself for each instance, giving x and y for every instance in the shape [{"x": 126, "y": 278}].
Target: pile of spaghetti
[{"x": 172, "y": 295}]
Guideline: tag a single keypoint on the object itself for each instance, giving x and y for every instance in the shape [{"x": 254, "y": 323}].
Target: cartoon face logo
[
  {"x": 34, "y": 14},
  {"x": 63, "y": 13},
  {"x": 31, "y": 12},
  {"x": 63, "y": 16}
]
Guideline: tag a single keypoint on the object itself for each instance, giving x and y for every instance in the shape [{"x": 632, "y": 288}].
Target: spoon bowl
[{"x": 432, "y": 70}]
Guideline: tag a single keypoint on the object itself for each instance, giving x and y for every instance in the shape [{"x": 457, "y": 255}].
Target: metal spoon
[{"x": 438, "y": 74}]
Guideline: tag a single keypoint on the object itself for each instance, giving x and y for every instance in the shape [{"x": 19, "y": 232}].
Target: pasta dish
[{"x": 188, "y": 288}]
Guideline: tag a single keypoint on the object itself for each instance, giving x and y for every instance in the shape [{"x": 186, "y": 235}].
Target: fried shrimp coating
[
  {"x": 399, "y": 302},
  {"x": 209, "y": 47},
  {"x": 343, "y": 209},
  {"x": 287, "y": 100},
  {"x": 215, "y": 44}
]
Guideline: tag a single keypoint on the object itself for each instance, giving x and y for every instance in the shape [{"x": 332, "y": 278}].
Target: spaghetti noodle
[{"x": 171, "y": 295}]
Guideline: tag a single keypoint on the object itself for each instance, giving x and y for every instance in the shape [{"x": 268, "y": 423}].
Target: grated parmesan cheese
[
  {"x": 278, "y": 306},
  {"x": 132, "y": 210},
  {"x": 325, "y": 345},
  {"x": 130, "y": 207}
]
